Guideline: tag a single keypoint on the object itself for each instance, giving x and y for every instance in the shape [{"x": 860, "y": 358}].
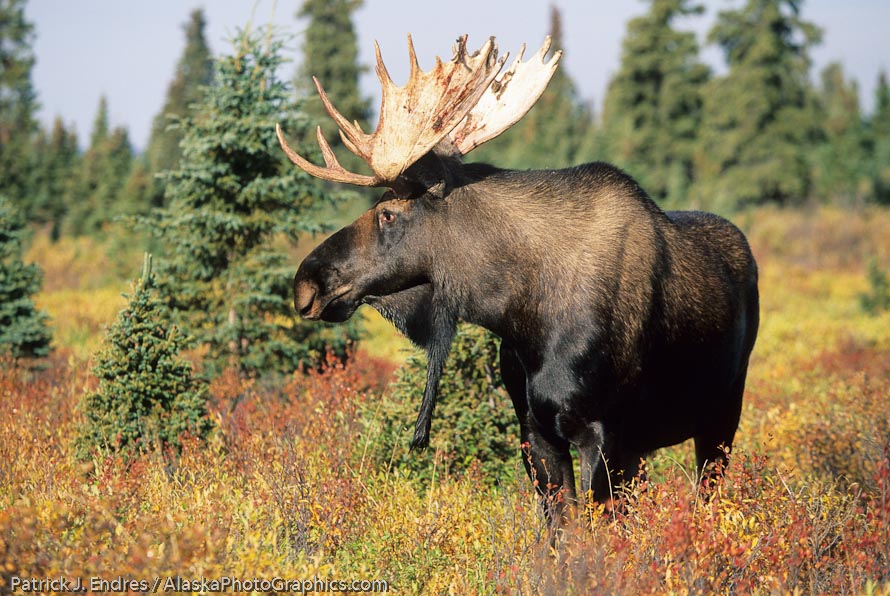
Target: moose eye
[{"x": 386, "y": 217}]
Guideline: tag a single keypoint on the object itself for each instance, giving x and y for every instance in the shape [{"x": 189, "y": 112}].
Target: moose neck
[{"x": 490, "y": 255}]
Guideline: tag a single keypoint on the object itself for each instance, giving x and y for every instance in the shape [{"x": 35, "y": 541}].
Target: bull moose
[{"x": 624, "y": 328}]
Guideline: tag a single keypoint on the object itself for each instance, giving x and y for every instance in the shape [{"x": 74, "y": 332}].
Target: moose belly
[{"x": 674, "y": 402}]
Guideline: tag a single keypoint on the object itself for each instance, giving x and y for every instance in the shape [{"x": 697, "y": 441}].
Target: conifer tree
[
  {"x": 96, "y": 198},
  {"x": 840, "y": 164},
  {"x": 759, "y": 119},
  {"x": 231, "y": 202},
  {"x": 83, "y": 205},
  {"x": 880, "y": 120},
  {"x": 23, "y": 328},
  {"x": 99, "y": 132},
  {"x": 147, "y": 397},
  {"x": 117, "y": 164},
  {"x": 194, "y": 72},
  {"x": 879, "y": 132},
  {"x": 136, "y": 194},
  {"x": 55, "y": 164},
  {"x": 17, "y": 102},
  {"x": 330, "y": 53},
  {"x": 556, "y": 130},
  {"x": 653, "y": 105}
]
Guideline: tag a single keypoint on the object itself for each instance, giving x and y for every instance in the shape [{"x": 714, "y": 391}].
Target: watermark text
[{"x": 176, "y": 583}]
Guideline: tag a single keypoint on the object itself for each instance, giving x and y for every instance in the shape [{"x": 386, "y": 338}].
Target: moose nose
[{"x": 304, "y": 297}]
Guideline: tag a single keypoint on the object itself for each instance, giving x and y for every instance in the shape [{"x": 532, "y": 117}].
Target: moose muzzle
[{"x": 304, "y": 297}]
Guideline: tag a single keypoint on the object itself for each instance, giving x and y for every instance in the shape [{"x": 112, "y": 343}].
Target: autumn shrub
[
  {"x": 298, "y": 442},
  {"x": 148, "y": 397},
  {"x": 81, "y": 285},
  {"x": 36, "y": 417},
  {"x": 474, "y": 427},
  {"x": 878, "y": 296},
  {"x": 821, "y": 237},
  {"x": 79, "y": 319},
  {"x": 842, "y": 431},
  {"x": 754, "y": 534}
]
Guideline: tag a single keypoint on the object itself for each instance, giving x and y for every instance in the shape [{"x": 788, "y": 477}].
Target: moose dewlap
[{"x": 624, "y": 328}]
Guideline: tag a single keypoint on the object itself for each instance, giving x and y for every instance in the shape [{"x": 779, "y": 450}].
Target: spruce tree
[
  {"x": 17, "y": 102},
  {"x": 136, "y": 194},
  {"x": 117, "y": 158},
  {"x": 231, "y": 203},
  {"x": 879, "y": 132},
  {"x": 194, "y": 72},
  {"x": 147, "y": 397},
  {"x": 96, "y": 196},
  {"x": 759, "y": 119},
  {"x": 99, "y": 132},
  {"x": 653, "y": 105},
  {"x": 840, "y": 164},
  {"x": 23, "y": 328},
  {"x": 330, "y": 53},
  {"x": 556, "y": 130},
  {"x": 880, "y": 120},
  {"x": 55, "y": 164},
  {"x": 83, "y": 206}
]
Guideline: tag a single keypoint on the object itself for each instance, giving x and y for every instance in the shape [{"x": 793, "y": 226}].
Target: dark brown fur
[{"x": 624, "y": 328}]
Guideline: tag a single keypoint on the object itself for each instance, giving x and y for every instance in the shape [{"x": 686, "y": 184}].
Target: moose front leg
[
  {"x": 606, "y": 469},
  {"x": 547, "y": 461},
  {"x": 593, "y": 451},
  {"x": 559, "y": 399}
]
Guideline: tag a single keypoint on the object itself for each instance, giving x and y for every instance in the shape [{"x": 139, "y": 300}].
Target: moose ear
[
  {"x": 439, "y": 190},
  {"x": 432, "y": 175}
]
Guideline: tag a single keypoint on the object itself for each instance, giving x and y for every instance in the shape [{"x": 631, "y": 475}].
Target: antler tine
[
  {"x": 519, "y": 56},
  {"x": 357, "y": 139},
  {"x": 380, "y": 69},
  {"x": 330, "y": 160},
  {"x": 459, "y": 49},
  {"x": 332, "y": 171},
  {"x": 349, "y": 144},
  {"x": 412, "y": 58},
  {"x": 507, "y": 100}
]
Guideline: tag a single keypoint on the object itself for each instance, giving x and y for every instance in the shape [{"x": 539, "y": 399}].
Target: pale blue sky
[{"x": 128, "y": 50}]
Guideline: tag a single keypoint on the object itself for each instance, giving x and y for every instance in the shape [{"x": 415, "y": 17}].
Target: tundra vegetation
[{"x": 307, "y": 473}]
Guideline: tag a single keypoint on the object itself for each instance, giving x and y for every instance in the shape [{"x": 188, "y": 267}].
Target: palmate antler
[
  {"x": 463, "y": 102},
  {"x": 509, "y": 98}
]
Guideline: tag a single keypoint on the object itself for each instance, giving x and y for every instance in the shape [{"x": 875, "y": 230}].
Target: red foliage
[{"x": 854, "y": 356}]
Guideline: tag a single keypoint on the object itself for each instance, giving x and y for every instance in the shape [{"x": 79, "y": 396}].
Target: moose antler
[
  {"x": 507, "y": 100},
  {"x": 460, "y": 102}
]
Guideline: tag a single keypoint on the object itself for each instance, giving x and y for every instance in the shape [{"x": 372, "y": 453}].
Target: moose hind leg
[
  {"x": 710, "y": 455},
  {"x": 714, "y": 438}
]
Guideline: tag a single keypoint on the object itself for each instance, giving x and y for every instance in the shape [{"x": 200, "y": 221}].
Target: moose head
[{"x": 424, "y": 129}]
